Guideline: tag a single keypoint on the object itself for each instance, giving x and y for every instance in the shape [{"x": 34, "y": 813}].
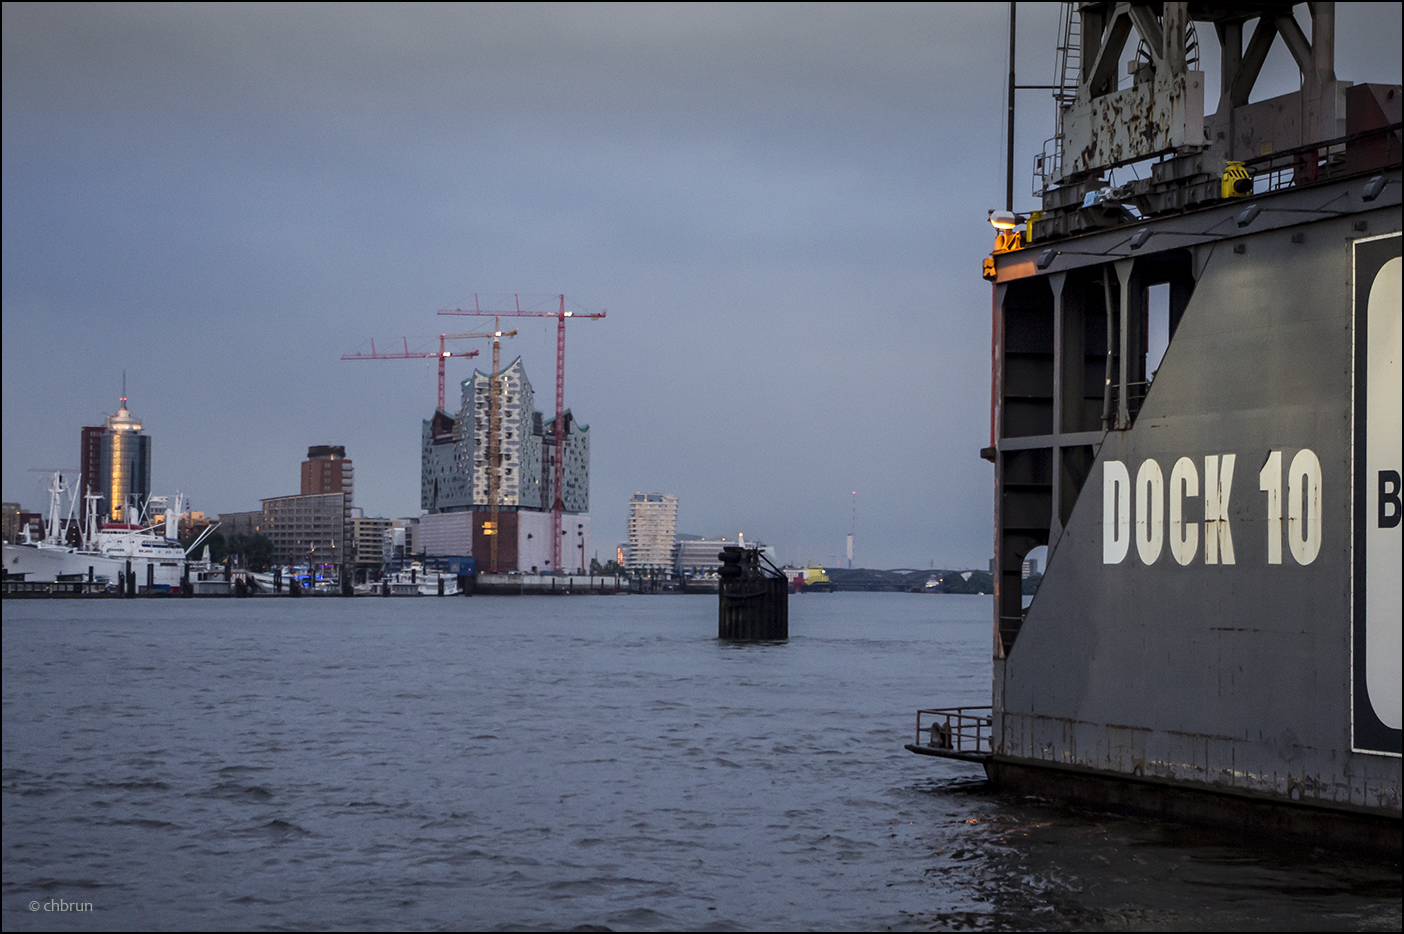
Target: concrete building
[
  {"x": 653, "y": 525},
  {"x": 125, "y": 468},
  {"x": 401, "y": 542},
  {"x": 523, "y": 539},
  {"x": 315, "y": 528},
  {"x": 368, "y": 541},
  {"x": 447, "y": 533},
  {"x": 327, "y": 470},
  {"x": 534, "y": 542}
]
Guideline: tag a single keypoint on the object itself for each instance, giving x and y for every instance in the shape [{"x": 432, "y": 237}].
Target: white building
[
  {"x": 455, "y": 453},
  {"x": 697, "y": 557},
  {"x": 402, "y": 541},
  {"x": 518, "y": 436},
  {"x": 653, "y": 525}
]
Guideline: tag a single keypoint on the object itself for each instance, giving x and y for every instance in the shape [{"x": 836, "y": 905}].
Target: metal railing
[
  {"x": 1302, "y": 165},
  {"x": 960, "y": 729},
  {"x": 29, "y": 588}
]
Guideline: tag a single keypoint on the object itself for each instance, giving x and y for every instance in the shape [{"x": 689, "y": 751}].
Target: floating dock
[{"x": 1217, "y": 635}]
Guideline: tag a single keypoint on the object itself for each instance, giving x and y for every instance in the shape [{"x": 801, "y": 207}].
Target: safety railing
[
  {"x": 959, "y": 729},
  {"x": 1302, "y": 165}
]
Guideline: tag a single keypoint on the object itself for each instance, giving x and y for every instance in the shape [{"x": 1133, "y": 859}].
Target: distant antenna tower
[{"x": 855, "y": 530}]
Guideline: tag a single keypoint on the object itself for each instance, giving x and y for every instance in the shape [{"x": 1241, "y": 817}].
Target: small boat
[{"x": 419, "y": 581}]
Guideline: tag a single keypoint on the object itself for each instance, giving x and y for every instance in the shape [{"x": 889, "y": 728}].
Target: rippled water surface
[{"x": 561, "y": 762}]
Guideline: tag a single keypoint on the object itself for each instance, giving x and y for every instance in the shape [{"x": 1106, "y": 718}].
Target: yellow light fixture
[{"x": 1005, "y": 220}]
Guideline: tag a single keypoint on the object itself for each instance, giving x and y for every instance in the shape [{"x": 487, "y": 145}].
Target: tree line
[{"x": 254, "y": 552}]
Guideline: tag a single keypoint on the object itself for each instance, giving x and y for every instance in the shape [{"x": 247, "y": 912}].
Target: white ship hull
[{"x": 44, "y": 563}]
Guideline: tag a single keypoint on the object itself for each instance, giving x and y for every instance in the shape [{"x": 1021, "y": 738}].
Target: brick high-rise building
[{"x": 327, "y": 470}]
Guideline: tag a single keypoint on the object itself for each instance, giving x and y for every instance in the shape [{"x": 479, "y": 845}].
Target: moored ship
[
  {"x": 96, "y": 551},
  {"x": 1217, "y": 635}
]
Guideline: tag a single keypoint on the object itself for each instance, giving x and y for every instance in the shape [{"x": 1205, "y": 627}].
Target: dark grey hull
[
  {"x": 1216, "y": 612},
  {"x": 1239, "y": 815}
]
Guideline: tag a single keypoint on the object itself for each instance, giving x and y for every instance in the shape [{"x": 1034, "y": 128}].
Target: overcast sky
[{"x": 781, "y": 207}]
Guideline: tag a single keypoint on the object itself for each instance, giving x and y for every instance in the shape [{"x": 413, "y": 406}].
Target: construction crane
[
  {"x": 558, "y": 503},
  {"x": 407, "y": 354},
  {"x": 494, "y": 436}
]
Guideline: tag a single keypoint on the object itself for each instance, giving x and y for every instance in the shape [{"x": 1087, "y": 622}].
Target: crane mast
[{"x": 558, "y": 439}]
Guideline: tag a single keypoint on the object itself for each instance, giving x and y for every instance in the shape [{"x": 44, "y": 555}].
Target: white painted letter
[
  {"x": 1116, "y": 512},
  {"x": 1218, "y": 485},
  {"x": 1304, "y": 531},
  {"x": 1184, "y": 481},
  {"x": 1150, "y": 511},
  {"x": 1270, "y": 482}
]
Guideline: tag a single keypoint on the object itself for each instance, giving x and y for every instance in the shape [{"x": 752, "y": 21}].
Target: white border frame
[{"x": 1354, "y": 311}]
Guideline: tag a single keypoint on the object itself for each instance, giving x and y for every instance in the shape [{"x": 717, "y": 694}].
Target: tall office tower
[
  {"x": 653, "y": 524},
  {"x": 91, "y": 463},
  {"x": 125, "y": 469},
  {"x": 327, "y": 470}
]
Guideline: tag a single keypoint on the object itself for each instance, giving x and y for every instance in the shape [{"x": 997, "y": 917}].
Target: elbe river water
[{"x": 567, "y": 762}]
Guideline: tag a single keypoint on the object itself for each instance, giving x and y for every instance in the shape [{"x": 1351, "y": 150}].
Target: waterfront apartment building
[
  {"x": 314, "y": 528},
  {"x": 327, "y": 470},
  {"x": 368, "y": 540},
  {"x": 653, "y": 525}
]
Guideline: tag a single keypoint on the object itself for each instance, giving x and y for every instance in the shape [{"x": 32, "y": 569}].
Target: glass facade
[{"x": 126, "y": 472}]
